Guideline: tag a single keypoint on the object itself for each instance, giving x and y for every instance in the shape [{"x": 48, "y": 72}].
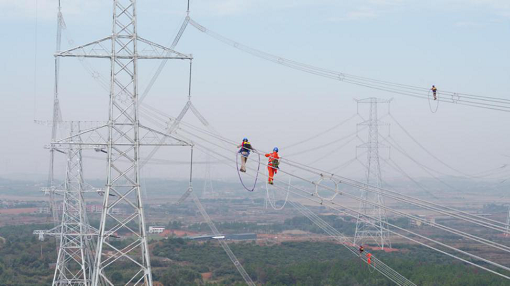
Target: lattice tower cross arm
[{"x": 123, "y": 147}]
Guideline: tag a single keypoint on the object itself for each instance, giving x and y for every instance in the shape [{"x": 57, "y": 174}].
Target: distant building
[
  {"x": 94, "y": 208},
  {"x": 156, "y": 229},
  {"x": 43, "y": 210},
  {"x": 117, "y": 211},
  {"x": 425, "y": 220},
  {"x": 47, "y": 210},
  {"x": 201, "y": 237},
  {"x": 240, "y": 236}
]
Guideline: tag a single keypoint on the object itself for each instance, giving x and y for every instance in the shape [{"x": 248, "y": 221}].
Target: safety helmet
[
  {"x": 275, "y": 149},
  {"x": 245, "y": 139}
]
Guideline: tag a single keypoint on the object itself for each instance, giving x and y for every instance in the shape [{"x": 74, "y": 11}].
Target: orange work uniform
[{"x": 272, "y": 170}]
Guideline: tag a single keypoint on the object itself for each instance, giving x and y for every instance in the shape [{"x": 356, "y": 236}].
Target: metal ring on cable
[
  {"x": 317, "y": 188},
  {"x": 239, "y": 173},
  {"x": 430, "y": 105}
]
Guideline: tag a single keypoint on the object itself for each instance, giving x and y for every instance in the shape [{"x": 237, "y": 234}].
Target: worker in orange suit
[
  {"x": 369, "y": 258},
  {"x": 272, "y": 164}
]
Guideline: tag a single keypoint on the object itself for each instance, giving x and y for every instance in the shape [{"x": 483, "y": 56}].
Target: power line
[
  {"x": 410, "y": 232},
  {"x": 482, "y": 221},
  {"x": 320, "y": 133},
  {"x": 485, "y": 102}
]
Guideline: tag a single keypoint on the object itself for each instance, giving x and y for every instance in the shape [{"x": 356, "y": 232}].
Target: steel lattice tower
[
  {"x": 72, "y": 231},
  {"x": 123, "y": 179},
  {"x": 75, "y": 254},
  {"x": 57, "y": 118},
  {"x": 372, "y": 224},
  {"x": 508, "y": 223},
  {"x": 121, "y": 139},
  {"x": 208, "y": 189},
  {"x": 74, "y": 235}
]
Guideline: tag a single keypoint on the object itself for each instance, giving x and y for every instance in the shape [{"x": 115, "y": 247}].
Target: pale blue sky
[{"x": 457, "y": 45}]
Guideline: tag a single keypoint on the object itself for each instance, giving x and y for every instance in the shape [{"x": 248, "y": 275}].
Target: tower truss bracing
[
  {"x": 75, "y": 258},
  {"x": 57, "y": 118},
  {"x": 74, "y": 234},
  {"x": 371, "y": 225},
  {"x": 120, "y": 139},
  {"x": 208, "y": 188}
]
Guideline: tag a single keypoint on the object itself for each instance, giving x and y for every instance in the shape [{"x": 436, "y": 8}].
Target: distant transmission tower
[
  {"x": 508, "y": 223},
  {"x": 372, "y": 223},
  {"x": 120, "y": 139},
  {"x": 57, "y": 118},
  {"x": 74, "y": 235},
  {"x": 75, "y": 259},
  {"x": 208, "y": 190}
]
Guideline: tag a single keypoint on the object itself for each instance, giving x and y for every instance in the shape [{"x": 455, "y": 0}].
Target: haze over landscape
[{"x": 421, "y": 183}]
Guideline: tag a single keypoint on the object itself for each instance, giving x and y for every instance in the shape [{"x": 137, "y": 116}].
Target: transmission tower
[
  {"x": 121, "y": 139},
  {"x": 74, "y": 235},
  {"x": 371, "y": 224},
  {"x": 57, "y": 118},
  {"x": 75, "y": 259},
  {"x": 208, "y": 190}
]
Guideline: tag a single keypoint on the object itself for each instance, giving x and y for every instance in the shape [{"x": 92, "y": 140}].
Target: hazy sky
[{"x": 458, "y": 45}]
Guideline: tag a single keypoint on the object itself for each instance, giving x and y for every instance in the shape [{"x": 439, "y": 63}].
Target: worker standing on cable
[
  {"x": 361, "y": 249},
  {"x": 273, "y": 164},
  {"x": 245, "y": 150},
  {"x": 434, "y": 91},
  {"x": 369, "y": 258}
]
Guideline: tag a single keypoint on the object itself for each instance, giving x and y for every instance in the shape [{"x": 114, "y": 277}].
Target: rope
[
  {"x": 239, "y": 173},
  {"x": 273, "y": 203},
  {"x": 453, "y": 213},
  {"x": 482, "y": 221},
  {"x": 430, "y": 105},
  {"x": 407, "y": 231},
  {"x": 387, "y": 271}
]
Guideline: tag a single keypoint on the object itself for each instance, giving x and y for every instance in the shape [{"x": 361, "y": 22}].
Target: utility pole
[
  {"x": 372, "y": 223},
  {"x": 120, "y": 139}
]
